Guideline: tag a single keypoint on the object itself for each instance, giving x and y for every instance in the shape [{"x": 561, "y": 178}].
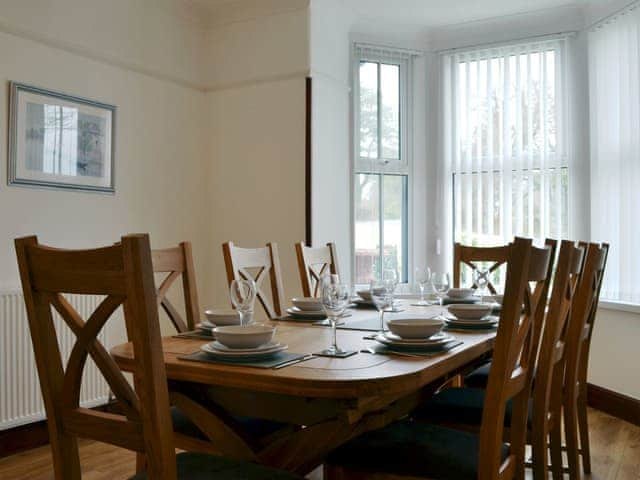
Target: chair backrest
[
  {"x": 313, "y": 263},
  {"x": 265, "y": 260},
  {"x": 178, "y": 262},
  {"x": 583, "y": 312},
  {"x": 548, "y": 386},
  {"x": 471, "y": 256},
  {"x": 124, "y": 275},
  {"x": 510, "y": 375}
]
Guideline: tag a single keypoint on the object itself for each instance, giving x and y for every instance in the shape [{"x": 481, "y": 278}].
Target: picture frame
[{"x": 60, "y": 141}]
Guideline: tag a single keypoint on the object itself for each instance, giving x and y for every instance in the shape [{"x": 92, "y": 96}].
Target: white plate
[
  {"x": 233, "y": 353},
  {"x": 296, "y": 312},
  {"x": 438, "y": 337},
  {"x": 426, "y": 342},
  {"x": 478, "y": 325},
  {"x": 474, "y": 321},
  {"x": 223, "y": 348}
]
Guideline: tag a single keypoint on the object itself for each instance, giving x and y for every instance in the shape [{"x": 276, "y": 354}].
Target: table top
[{"x": 361, "y": 375}]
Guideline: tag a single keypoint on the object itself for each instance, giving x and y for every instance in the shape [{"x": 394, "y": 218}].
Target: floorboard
[{"x": 615, "y": 448}]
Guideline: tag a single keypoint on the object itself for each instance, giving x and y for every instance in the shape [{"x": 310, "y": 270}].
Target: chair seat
[
  {"x": 479, "y": 378},
  {"x": 255, "y": 427},
  {"x": 459, "y": 406},
  {"x": 199, "y": 466},
  {"x": 413, "y": 449}
]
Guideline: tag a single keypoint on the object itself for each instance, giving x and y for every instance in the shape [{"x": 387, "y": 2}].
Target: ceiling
[{"x": 435, "y": 13}]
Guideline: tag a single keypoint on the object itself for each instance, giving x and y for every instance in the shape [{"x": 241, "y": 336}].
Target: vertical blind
[
  {"x": 614, "y": 84},
  {"x": 505, "y": 141}
]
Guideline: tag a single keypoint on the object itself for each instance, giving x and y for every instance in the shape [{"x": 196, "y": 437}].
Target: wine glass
[
  {"x": 481, "y": 280},
  {"x": 243, "y": 296},
  {"x": 381, "y": 295},
  {"x": 441, "y": 282},
  {"x": 392, "y": 278},
  {"x": 335, "y": 298},
  {"x": 423, "y": 276}
]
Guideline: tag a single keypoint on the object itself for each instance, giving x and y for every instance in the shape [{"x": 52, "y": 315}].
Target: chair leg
[
  {"x": 539, "y": 449},
  {"x": 555, "y": 449},
  {"x": 141, "y": 462},
  {"x": 583, "y": 428},
  {"x": 571, "y": 436}
]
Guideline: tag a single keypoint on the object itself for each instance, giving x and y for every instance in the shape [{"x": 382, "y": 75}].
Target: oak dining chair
[
  {"x": 463, "y": 408},
  {"x": 177, "y": 262},
  {"x": 417, "y": 449},
  {"x": 265, "y": 261},
  {"x": 470, "y": 256},
  {"x": 580, "y": 329},
  {"x": 478, "y": 377},
  {"x": 123, "y": 274},
  {"x": 313, "y": 263}
]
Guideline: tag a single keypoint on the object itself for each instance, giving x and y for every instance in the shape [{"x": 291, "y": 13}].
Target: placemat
[
  {"x": 268, "y": 362},
  {"x": 369, "y": 324}
]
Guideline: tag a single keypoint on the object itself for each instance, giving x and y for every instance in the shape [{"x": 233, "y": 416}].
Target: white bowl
[
  {"x": 220, "y": 317},
  {"x": 415, "y": 327},
  {"x": 365, "y": 295},
  {"x": 470, "y": 311},
  {"x": 307, "y": 304},
  {"x": 460, "y": 292},
  {"x": 248, "y": 336}
]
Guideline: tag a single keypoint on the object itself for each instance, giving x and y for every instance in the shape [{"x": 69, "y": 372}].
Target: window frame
[{"x": 380, "y": 166}]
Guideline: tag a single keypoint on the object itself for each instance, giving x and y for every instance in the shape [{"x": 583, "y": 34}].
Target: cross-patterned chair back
[
  {"x": 124, "y": 275},
  {"x": 265, "y": 260},
  {"x": 510, "y": 375},
  {"x": 471, "y": 256},
  {"x": 313, "y": 263},
  {"x": 549, "y": 377},
  {"x": 177, "y": 262}
]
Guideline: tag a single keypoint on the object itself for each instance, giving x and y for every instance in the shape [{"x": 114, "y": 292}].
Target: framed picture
[{"x": 60, "y": 141}]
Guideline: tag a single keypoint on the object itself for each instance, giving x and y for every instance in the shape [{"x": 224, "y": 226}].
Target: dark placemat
[
  {"x": 268, "y": 362},
  {"x": 468, "y": 300},
  {"x": 369, "y": 324}
]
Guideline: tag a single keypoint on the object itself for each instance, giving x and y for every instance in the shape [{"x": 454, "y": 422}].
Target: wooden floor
[{"x": 615, "y": 445}]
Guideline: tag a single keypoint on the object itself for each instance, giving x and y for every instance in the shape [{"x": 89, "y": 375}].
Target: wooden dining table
[{"x": 324, "y": 401}]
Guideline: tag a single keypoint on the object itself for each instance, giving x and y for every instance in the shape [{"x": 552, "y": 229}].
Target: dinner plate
[
  {"x": 472, "y": 325},
  {"x": 441, "y": 339},
  {"x": 267, "y": 346},
  {"x": 438, "y": 337},
  {"x": 297, "y": 313},
  {"x": 211, "y": 349}
]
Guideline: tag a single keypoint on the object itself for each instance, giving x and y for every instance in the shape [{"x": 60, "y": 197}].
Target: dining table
[{"x": 322, "y": 402}]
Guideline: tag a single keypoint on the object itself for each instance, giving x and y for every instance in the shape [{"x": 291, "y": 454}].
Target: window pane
[
  {"x": 395, "y": 224},
  {"x": 367, "y": 226},
  {"x": 368, "y": 110},
  {"x": 390, "y": 102}
]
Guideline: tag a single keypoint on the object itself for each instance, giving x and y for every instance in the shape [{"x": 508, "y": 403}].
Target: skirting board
[{"x": 614, "y": 403}]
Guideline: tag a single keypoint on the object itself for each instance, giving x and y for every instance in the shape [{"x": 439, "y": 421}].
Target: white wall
[
  {"x": 256, "y": 146},
  {"x": 331, "y": 129},
  {"x": 160, "y": 138}
]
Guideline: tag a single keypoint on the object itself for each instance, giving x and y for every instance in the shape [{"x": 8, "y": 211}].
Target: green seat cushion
[
  {"x": 414, "y": 449},
  {"x": 199, "y": 466},
  {"x": 479, "y": 378},
  {"x": 459, "y": 406}
]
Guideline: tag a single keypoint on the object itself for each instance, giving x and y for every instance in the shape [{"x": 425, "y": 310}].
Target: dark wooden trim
[
  {"x": 307, "y": 161},
  {"x": 33, "y": 435},
  {"x": 614, "y": 403}
]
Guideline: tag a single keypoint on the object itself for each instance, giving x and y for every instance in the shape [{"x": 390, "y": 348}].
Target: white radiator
[{"x": 20, "y": 398}]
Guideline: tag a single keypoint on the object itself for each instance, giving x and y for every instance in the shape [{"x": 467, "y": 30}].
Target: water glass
[
  {"x": 441, "y": 283},
  {"x": 423, "y": 276},
  {"x": 335, "y": 298},
  {"x": 382, "y": 297},
  {"x": 481, "y": 280},
  {"x": 243, "y": 295}
]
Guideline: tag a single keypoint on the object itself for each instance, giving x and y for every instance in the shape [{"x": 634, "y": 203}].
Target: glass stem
[
  {"x": 334, "y": 331},
  {"x": 241, "y": 315},
  {"x": 441, "y": 300},
  {"x": 421, "y": 293},
  {"x": 382, "y": 320}
]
